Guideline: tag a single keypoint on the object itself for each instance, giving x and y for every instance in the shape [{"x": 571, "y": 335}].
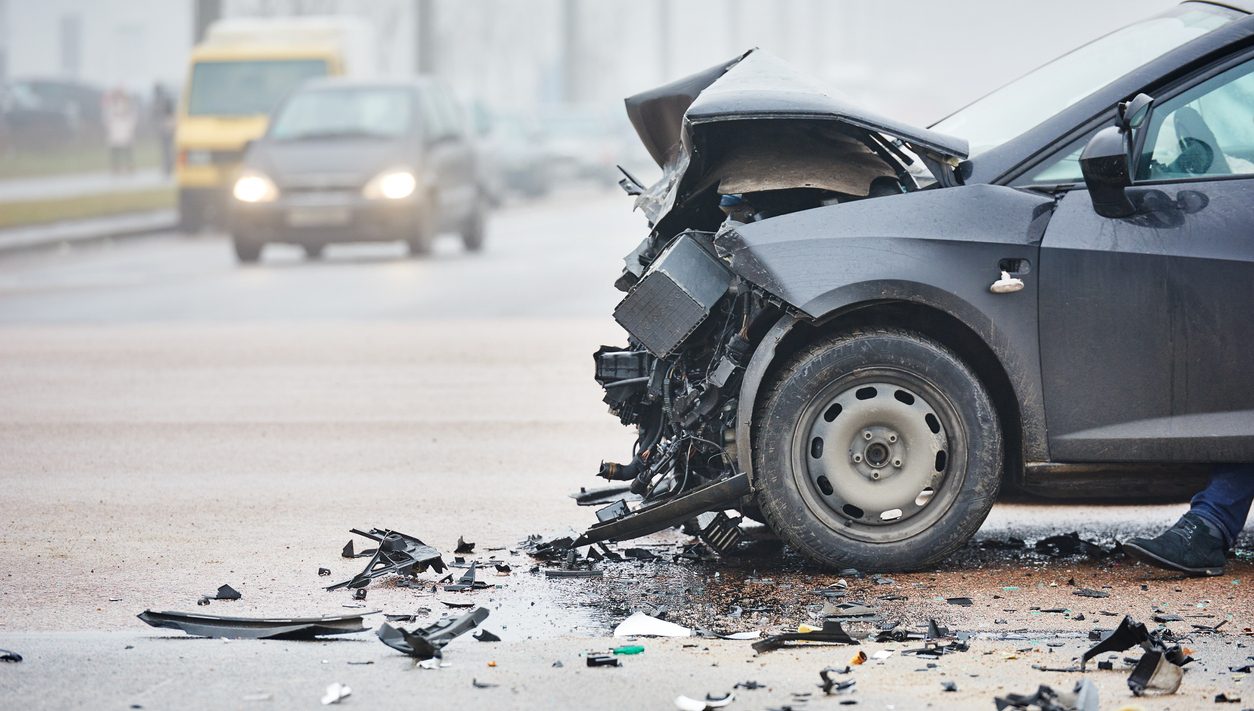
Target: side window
[
  {"x": 1205, "y": 131},
  {"x": 451, "y": 114},
  {"x": 432, "y": 119},
  {"x": 1062, "y": 167}
]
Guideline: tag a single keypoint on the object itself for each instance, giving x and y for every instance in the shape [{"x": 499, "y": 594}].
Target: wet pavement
[{"x": 173, "y": 423}]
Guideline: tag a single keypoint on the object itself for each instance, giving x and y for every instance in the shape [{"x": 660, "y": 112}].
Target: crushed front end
[{"x": 741, "y": 142}]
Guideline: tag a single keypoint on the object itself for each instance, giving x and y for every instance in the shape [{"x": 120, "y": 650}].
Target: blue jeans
[{"x": 1225, "y": 502}]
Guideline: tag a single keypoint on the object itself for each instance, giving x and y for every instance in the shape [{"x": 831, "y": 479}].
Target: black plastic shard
[
  {"x": 1083, "y": 698},
  {"x": 1069, "y": 544},
  {"x": 1089, "y": 592},
  {"x": 226, "y": 592},
  {"x": 833, "y": 686},
  {"x": 255, "y": 628},
  {"x": 467, "y": 582},
  {"x": 463, "y": 547},
  {"x": 428, "y": 642},
  {"x": 485, "y": 636},
  {"x": 348, "y": 552},
  {"x": 831, "y": 633},
  {"x": 1128, "y": 634},
  {"x": 397, "y": 553},
  {"x": 7, "y": 656}
]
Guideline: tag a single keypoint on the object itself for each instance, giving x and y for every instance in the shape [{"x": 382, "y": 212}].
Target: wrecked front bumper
[{"x": 676, "y": 382}]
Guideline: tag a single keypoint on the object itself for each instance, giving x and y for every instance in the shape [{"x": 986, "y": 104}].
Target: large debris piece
[
  {"x": 256, "y": 627},
  {"x": 397, "y": 553},
  {"x": 1159, "y": 669},
  {"x": 830, "y": 633},
  {"x": 428, "y": 642},
  {"x": 1082, "y": 698}
]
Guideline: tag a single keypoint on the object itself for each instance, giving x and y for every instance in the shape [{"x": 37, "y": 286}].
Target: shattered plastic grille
[{"x": 673, "y": 298}]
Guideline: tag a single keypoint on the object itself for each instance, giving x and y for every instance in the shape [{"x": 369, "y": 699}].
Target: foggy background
[{"x": 915, "y": 59}]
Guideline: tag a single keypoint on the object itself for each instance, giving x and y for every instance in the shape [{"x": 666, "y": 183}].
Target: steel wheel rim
[{"x": 903, "y": 500}]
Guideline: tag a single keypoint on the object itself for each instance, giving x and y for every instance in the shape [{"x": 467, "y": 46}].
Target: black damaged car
[{"x": 859, "y": 332}]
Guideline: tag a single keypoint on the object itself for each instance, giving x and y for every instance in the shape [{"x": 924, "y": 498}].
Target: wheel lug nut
[
  {"x": 875, "y": 473},
  {"x": 897, "y": 463},
  {"x": 866, "y": 435},
  {"x": 857, "y": 458},
  {"x": 892, "y": 438}
]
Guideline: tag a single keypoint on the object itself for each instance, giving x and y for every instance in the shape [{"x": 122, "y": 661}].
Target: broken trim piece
[
  {"x": 428, "y": 642},
  {"x": 256, "y": 627},
  {"x": 397, "y": 553},
  {"x": 651, "y": 519}
]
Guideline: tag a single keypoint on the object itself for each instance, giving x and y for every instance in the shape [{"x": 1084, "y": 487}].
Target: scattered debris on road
[
  {"x": 463, "y": 547},
  {"x": 602, "y": 660},
  {"x": 466, "y": 582},
  {"x": 428, "y": 642},
  {"x": 1082, "y": 698},
  {"x": 256, "y": 627},
  {"x": 336, "y": 693},
  {"x": 224, "y": 592},
  {"x": 1160, "y": 669},
  {"x": 830, "y": 633},
  {"x": 832, "y": 686},
  {"x": 397, "y": 553},
  {"x": 7, "y": 656}
]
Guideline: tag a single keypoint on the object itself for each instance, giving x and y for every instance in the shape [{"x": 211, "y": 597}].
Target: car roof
[
  {"x": 359, "y": 83},
  {"x": 1246, "y": 6}
]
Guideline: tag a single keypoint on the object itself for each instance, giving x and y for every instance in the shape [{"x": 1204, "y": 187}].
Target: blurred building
[
  {"x": 104, "y": 42},
  {"x": 917, "y": 59}
]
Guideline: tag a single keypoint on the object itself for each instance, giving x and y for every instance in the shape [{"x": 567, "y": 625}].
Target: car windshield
[
  {"x": 1024, "y": 103},
  {"x": 247, "y": 88},
  {"x": 358, "y": 112}
]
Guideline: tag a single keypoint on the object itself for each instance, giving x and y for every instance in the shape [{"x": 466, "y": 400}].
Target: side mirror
[{"x": 1107, "y": 172}]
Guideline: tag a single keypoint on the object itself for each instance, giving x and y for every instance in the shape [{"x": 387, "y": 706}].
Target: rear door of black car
[{"x": 1147, "y": 322}]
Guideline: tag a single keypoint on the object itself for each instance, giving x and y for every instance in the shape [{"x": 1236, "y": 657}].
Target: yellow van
[{"x": 241, "y": 71}]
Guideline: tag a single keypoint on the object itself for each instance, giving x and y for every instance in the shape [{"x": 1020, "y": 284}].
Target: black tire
[
  {"x": 423, "y": 236},
  {"x": 474, "y": 230},
  {"x": 191, "y": 212},
  {"x": 884, "y": 450},
  {"x": 247, "y": 250},
  {"x": 313, "y": 251}
]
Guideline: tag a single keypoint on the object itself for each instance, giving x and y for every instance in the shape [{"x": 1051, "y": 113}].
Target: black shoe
[{"x": 1188, "y": 546}]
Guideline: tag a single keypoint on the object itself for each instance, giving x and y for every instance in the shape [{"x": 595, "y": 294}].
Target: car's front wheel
[
  {"x": 247, "y": 249},
  {"x": 878, "y": 450}
]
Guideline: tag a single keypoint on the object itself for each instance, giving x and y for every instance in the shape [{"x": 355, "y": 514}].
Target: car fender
[{"x": 940, "y": 248}]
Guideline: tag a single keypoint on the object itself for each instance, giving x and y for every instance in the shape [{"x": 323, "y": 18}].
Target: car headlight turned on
[
  {"x": 391, "y": 185},
  {"x": 255, "y": 187}
]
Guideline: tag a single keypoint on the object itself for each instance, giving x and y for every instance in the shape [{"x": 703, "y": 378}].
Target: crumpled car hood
[
  {"x": 758, "y": 84},
  {"x": 676, "y": 123}
]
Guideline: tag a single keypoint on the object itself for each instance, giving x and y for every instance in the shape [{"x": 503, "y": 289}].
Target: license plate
[{"x": 318, "y": 216}]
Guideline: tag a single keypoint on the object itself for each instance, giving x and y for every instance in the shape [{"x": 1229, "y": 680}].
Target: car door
[{"x": 1145, "y": 321}]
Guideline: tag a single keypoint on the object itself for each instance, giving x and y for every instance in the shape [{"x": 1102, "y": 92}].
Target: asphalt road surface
[{"x": 170, "y": 422}]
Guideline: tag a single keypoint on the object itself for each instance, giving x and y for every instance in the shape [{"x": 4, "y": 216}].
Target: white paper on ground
[
  {"x": 683, "y": 703},
  {"x": 335, "y": 692},
  {"x": 641, "y": 625}
]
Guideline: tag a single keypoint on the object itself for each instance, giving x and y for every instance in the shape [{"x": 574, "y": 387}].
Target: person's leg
[
  {"x": 1225, "y": 502},
  {"x": 1197, "y": 544}
]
